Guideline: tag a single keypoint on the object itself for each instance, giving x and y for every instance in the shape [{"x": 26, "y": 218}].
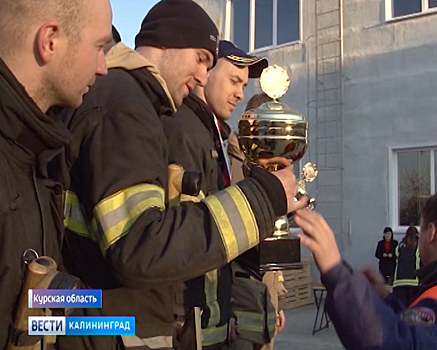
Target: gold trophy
[{"x": 275, "y": 130}]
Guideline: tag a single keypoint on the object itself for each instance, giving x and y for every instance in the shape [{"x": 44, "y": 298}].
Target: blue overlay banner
[
  {"x": 65, "y": 298},
  {"x": 107, "y": 325}
]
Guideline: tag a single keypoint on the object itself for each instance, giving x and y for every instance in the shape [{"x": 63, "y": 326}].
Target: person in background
[
  {"x": 408, "y": 262},
  {"x": 116, "y": 38},
  {"x": 385, "y": 252}
]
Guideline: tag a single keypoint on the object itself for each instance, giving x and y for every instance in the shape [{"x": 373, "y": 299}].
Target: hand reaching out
[{"x": 318, "y": 237}]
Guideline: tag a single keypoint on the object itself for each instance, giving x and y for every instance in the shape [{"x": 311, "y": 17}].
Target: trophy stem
[{"x": 282, "y": 227}]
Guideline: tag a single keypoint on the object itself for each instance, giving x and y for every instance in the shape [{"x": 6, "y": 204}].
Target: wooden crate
[
  {"x": 298, "y": 296},
  {"x": 295, "y": 278},
  {"x": 298, "y": 285}
]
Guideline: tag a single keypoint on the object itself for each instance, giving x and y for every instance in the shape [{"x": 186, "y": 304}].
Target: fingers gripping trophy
[{"x": 275, "y": 130}]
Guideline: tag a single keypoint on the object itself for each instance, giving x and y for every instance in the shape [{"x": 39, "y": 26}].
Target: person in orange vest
[{"x": 363, "y": 313}]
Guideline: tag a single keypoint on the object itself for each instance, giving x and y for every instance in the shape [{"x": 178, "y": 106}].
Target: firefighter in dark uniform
[
  {"x": 37, "y": 40},
  {"x": 255, "y": 295},
  {"x": 195, "y": 136},
  {"x": 363, "y": 315},
  {"x": 120, "y": 235}
]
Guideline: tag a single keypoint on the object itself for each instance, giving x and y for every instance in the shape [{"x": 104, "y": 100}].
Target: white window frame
[
  {"x": 393, "y": 180},
  {"x": 229, "y": 26},
  {"x": 389, "y": 11}
]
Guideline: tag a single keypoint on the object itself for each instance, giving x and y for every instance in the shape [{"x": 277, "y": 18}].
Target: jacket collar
[
  {"x": 153, "y": 90},
  {"x": 23, "y": 122},
  {"x": 200, "y": 108},
  {"x": 121, "y": 56}
]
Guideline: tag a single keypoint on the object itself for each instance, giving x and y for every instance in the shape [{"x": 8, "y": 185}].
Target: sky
[{"x": 128, "y": 15}]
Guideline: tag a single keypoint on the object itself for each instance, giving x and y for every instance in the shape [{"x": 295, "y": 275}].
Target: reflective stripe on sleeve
[
  {"x": 116, "y": 214},
  {"x": 74, "y": 218},
  {"x": 235, "y": 220}
]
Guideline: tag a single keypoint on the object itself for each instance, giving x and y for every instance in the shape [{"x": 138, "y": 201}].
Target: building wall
[
  {"x": 390, "y": 80},
  {"x": 390, "y": 71},
  {"x": 215, "y": 9}
]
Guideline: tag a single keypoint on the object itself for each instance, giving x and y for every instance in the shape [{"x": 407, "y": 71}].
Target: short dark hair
[
  {"x": 429, "y": 211},
  {"x": 387, "y": 229},
  {"x": 257, "y": 100}
]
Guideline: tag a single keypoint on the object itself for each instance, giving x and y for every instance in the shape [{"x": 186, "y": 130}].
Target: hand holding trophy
[{"x": 265, "y": 133}]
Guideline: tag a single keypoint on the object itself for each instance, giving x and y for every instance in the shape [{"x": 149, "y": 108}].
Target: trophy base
[{"x": 280, "y": 253}]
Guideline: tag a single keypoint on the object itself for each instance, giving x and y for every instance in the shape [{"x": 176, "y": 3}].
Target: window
[
  {"x": 416, "y": 181},
  {"x": 241, "y": 21},
  {"x": 399, "y": 8},
  {"x": 256, "y": 24},
  {"x": 263, "y": 23},
  {"x": 288, "y": 21}
]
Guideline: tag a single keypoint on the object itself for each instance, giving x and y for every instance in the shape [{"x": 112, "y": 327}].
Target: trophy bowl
[{"x": 275, "y": 130}]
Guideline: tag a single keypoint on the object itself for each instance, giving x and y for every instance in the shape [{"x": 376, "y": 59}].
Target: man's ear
[
  {"x": 432, "y": 232},
  {"x": 47, "y": 40}
]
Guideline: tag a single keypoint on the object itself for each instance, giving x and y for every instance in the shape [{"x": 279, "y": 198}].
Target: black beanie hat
[{"x": 178, "y": 24}]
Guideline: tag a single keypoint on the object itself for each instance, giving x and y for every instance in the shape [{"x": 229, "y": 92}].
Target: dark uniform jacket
[
  {"x": 408, "y": 262},
  {"x": 366, "y": 322},
  {"x": 121, "y": 237},
  {"x": 30, "y": 198},
  {"x": 194, "y": 143}
]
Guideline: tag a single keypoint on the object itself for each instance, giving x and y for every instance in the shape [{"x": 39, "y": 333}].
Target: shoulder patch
[{"x": 420, "y": 316}]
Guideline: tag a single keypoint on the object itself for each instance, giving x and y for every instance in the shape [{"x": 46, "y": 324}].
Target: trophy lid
[
  {"x": 273, "y": 129},
  {"x": 274, "y": 82}
]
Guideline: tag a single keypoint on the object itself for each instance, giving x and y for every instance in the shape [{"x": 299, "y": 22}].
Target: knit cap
[{"x": 178, "y": 24}]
